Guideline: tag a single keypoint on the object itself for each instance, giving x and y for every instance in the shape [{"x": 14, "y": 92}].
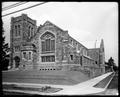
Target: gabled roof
[
  {"x": 78, "y": 42},
  {"x": 46, "y": 23},
  {"x": 93, "y": 49},
  {"x": 50, "y": 23}
]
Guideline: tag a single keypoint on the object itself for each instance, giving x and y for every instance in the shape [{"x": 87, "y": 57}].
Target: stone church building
[{"x": 48, "y": 47}]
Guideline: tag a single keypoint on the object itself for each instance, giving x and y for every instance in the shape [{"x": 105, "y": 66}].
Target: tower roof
[
  {"x": 102, "y": 46},
  {"x": 102, "y": 43}
]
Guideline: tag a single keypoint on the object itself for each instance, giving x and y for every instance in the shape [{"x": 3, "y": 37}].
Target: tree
[
  {"x": 115, "y": 68},
  {"x": 4, "y": 52},
  {"x": 112, "y": 64},
  {"x": 111, "y": 61}
]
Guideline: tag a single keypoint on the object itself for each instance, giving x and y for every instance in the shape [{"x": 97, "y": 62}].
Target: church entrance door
[{"x": 17, "y": 61}]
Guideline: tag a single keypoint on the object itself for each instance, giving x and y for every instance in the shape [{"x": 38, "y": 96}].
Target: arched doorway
[{"x": 17, "y": 61}]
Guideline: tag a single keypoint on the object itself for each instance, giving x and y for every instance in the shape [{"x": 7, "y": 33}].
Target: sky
[{"x": 85, "y": 21}]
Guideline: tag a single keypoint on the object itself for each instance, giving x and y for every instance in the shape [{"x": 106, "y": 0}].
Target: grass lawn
[
  {"x": 104, "y": 82},
  {"x": 114, "y": 82}
]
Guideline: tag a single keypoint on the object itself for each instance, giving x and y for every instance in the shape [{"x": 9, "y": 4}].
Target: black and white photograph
[{"x": 59, "y": 48}]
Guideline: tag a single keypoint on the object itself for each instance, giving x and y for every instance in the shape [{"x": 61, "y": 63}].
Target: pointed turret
[
  {"x": 102, "y": 46},
  {"x": 102, "y": 53}
]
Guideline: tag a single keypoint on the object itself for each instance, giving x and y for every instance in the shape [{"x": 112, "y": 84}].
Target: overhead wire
[
  {"x": 24, "y": 9},
  {"x": 13, "y": 5}
]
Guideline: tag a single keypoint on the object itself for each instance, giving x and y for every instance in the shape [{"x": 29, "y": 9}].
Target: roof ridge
[{"x": 53, "y": 25}]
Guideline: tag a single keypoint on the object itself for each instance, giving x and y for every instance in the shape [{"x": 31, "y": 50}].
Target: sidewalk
[{"x": 83, "y": 88}]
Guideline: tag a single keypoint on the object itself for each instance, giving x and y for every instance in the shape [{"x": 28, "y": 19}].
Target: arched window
[
  {"x": 24, "y": 55},
  {"x": 48, "y": 46},
  {"x": 71, "y": 57},
  {"x": 32, "y": 32},
  {"x": 15, "y": 30},
  {"x": 19, "y": 30},
  {"x": 96, "y": 62},
  {"x": 30, "y": 55},
  {"x": 16, "y": 48},
  {"x": 48, "y": 42},
  {"x": 29, "y": 33},
  {"x": 71, "y": 41}
]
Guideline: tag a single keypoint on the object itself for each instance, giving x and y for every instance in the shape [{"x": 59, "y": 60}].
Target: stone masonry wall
[
  {"x": 59, "y": 36},
  {"x": 18, "y": 40}
]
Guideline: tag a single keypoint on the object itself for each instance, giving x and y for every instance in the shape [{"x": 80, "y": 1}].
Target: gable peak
[{"x": 47, "y": 23}]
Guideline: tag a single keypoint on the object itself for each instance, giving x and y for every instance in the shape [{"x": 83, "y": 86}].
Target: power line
[
  {"x": 24, "y": 9},
  {"x": 10, "y": 5},
  {"x": 13, "y": 5}
]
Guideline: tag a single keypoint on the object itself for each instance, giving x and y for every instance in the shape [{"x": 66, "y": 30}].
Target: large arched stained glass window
[
  {"x": 48, "y": 42},
  {"x": 48, "y": 46}
]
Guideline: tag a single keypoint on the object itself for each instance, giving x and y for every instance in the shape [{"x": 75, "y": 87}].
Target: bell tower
[
  {"x": 29, "y": 27},
  {"x": 22, "y": 30}
]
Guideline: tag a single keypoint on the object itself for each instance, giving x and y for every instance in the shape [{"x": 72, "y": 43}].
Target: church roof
[
  {"x": 50, "y": 23},
  {"x": 78, "y": 42},
  {"x": 94, "y": 49}
]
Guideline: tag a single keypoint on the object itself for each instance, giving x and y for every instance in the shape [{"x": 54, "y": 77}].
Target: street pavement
[{"x": 84, "y": 88}]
